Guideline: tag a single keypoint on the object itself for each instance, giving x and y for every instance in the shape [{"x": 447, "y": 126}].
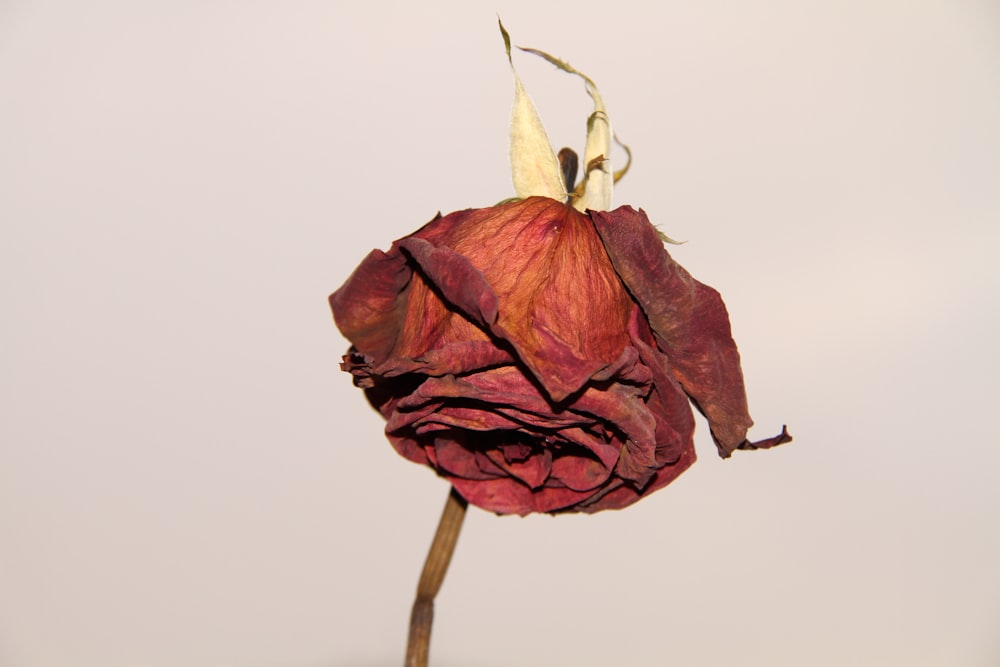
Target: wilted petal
[
  {"x": 511, "y": 496},
  {"x": 371, "y": 306},
  {"x": 618, "y": 494},
  {"x": 580, "y": 472},
  {"x": 689, "y": 319},
  {"x": 561, "y": 304},
  {"x": 461, "y": 284},
  {"x": 503, "y": 391},
  {"x": 604, "y": 449},
  {"x": 767, "y": 443},
  {"x": 625, "y": 369},
  {"x": 448, "y": 359},
  {"x": 623, "y": 407},
  {"x": 667, "y": 401},
  {"x": 543, "y": 283},
  {"x": 533, "y": 469},
  {"x": 454, "y": 458}
]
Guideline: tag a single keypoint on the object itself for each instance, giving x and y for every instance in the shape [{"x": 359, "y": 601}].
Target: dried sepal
[
  {"x": 596, "y": 187},
  {"x": 533, "y": 162}
]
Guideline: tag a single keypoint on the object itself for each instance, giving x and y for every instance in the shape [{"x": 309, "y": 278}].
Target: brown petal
[{"x": 768, "y": 443}]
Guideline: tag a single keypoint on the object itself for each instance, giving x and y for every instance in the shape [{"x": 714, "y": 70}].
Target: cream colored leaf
[{"x": 533, "y": 162}]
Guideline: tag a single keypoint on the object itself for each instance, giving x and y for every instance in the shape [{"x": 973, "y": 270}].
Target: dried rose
[
  {"x": 541, "y": 354},
  {"x": 541, "y": 359}
]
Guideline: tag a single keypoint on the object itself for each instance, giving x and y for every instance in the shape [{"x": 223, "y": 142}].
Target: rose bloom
[{"x": 542, "y": 359}]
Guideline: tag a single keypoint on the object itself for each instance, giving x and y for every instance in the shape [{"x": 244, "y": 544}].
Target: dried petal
[{"x": 689, "y": 320}]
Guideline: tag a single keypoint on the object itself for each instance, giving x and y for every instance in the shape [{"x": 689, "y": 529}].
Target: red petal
[
  {"x": 689, "y": 319},
  {"x": 561, "y": 305},
  {"x": 371, "y": 306},
  {"x": 618, "y": 496},
  {"x": 532, "y": 470},
  {"x": 461, "y": 284}
]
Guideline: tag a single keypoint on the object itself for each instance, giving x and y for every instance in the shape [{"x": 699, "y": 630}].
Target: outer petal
[
  {"x": 561, "y": 304},
  {"x": 462, "y": 285},
  {"x": 398, "y": 322},
  {"x": 690, "y": 322},
  {"x": 371, "y": 306}
]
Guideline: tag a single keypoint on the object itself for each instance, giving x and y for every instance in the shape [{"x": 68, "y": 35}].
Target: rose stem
[{"x": 435, "y": 567}]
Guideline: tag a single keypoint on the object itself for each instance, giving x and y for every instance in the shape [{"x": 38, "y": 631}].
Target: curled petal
[
  {"x": 450, "y": 358},
  {"x": 371, "y": 306},
  {"x": 551, "y": 279},
  {"x": 619, "y": 495},
  {"x": 689, "y": 319},
  {"x": 462, "y": 285}
]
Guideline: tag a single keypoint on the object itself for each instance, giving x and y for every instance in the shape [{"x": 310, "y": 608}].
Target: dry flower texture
[{"x": 541, "y": 359}]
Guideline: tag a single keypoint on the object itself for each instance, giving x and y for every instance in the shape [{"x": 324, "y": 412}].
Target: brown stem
[{"x": 435, "y": 567}]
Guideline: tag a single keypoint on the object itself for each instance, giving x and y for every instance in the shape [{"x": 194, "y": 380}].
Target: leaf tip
[{"x": 506, "y": 40}]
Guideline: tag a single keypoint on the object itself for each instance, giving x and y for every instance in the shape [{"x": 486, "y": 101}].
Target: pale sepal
[
  {"x": 598, "y": 178},
  {"x": 534, "y": 165}
]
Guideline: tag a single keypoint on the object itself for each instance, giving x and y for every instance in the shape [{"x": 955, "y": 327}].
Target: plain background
[{"x": 188, "y": 479}]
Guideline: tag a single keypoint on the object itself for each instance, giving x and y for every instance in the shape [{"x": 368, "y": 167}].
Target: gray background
[{"x": 187, "y": 479}]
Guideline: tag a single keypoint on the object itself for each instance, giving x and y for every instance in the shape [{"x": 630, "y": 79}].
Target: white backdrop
[{"x": 187, "y": 479}]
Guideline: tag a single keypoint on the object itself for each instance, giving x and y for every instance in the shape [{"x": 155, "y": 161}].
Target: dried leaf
[{"x": 533, "y": 161}]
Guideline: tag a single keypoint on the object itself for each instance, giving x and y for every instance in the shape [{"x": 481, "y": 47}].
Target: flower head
[{"x": 543, "y": 354}]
